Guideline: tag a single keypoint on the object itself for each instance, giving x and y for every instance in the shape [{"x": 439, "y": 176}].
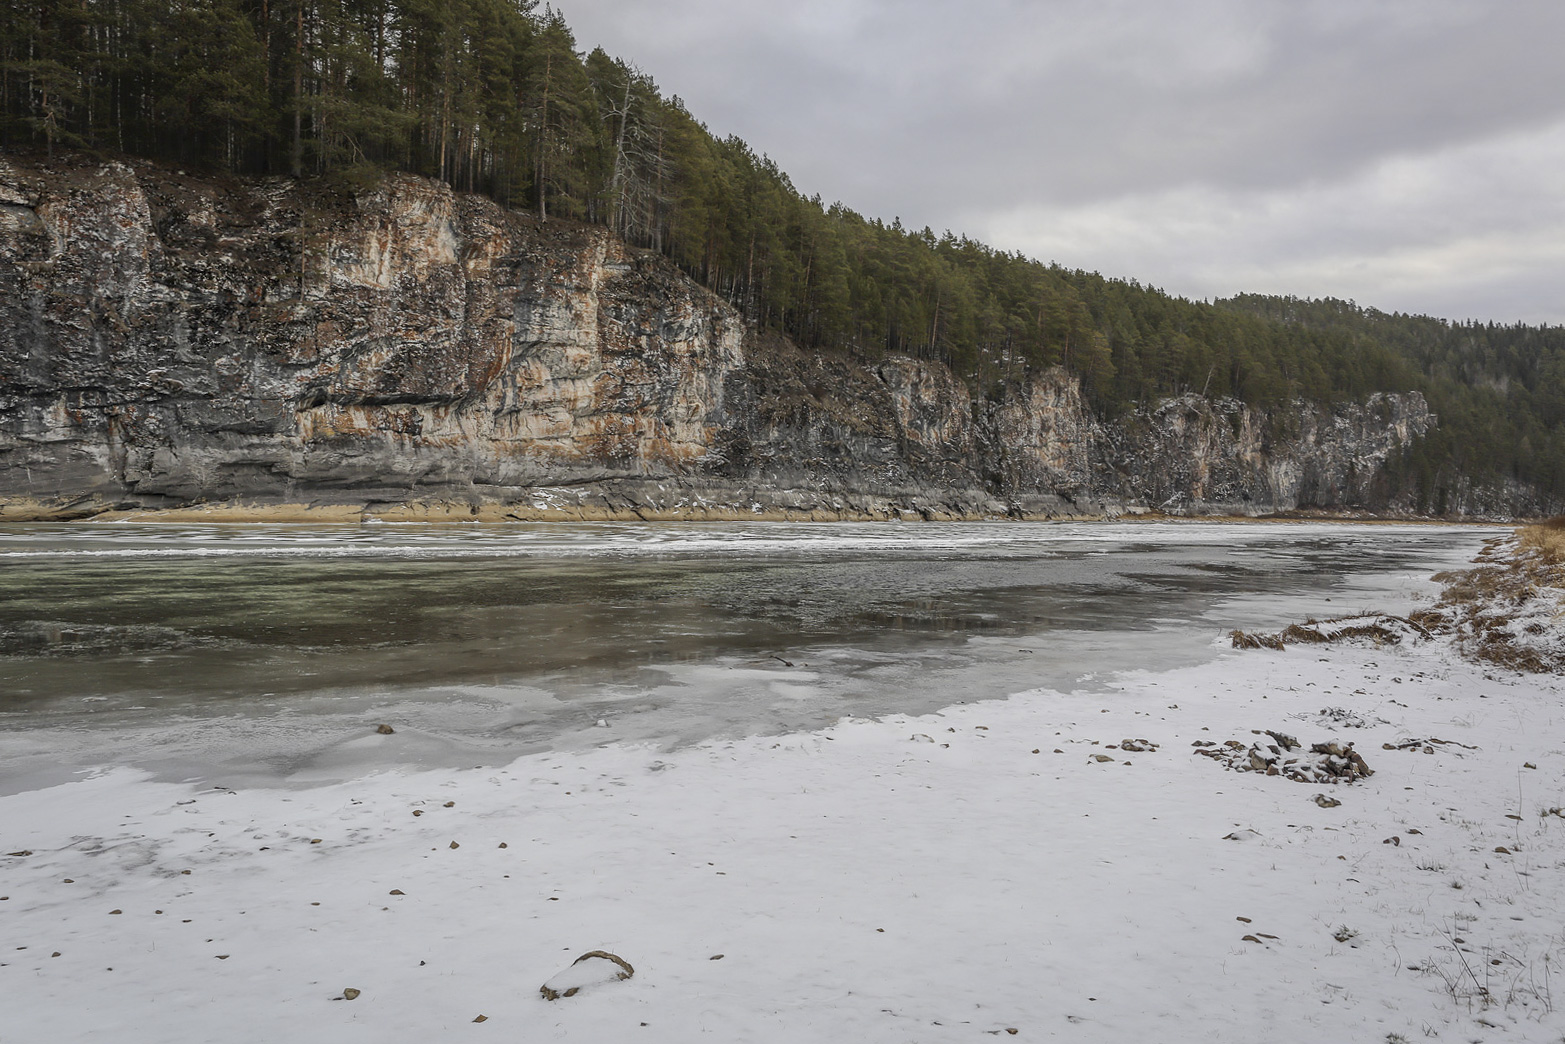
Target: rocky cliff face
[{"x": 169, "y": 341}]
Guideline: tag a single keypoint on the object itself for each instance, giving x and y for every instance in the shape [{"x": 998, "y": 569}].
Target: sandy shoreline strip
[{"x": 25, "y": 511}]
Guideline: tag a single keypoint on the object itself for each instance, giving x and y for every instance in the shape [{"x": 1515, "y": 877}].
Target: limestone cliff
[{"x": 168, "y": 341}]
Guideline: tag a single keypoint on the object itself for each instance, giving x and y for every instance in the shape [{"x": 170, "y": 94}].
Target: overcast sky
[{"x": 1408, "y": 154}]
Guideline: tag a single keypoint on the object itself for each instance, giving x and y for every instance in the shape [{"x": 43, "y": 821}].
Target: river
[{"x": 269, "y": 653}]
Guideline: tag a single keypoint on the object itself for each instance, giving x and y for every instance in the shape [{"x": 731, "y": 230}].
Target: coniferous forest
[{"x": 493, "y": 97}]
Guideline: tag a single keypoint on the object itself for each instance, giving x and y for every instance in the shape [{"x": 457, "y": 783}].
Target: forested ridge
[{"x": 492, "y": 96}]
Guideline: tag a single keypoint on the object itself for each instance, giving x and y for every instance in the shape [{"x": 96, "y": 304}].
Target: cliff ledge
[{"x": 264, "y": 348}]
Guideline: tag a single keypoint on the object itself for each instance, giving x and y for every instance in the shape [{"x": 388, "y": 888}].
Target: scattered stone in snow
[
  {"x": 1242, "y": 835},
  {"x": 1137, "y": 745},
  {"x": 716, "y": 957},
  {"x": 1393, "y": 840},
  {"x": 1328, "y": 762},
  {"x": 594, "y": 968},
  {"x": 482, "y": 1018},
  {"x": 1326, "y": 802},
  {"x": 449, "y": 804},
  {"x": 455, "y": 845},
  {"x": 1346, "y": 719},
  {"x": 1102, "y": 757},
  {"x": 384, "y": 730},
  {"x": 418, "y": 811},
  {"x": 397, "y": 891},
  {"x": 350, "y": 994}
]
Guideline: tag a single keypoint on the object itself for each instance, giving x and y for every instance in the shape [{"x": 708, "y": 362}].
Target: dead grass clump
[
  {"x": 1546, "y": 540},
  {"x": 1508, "y": 609},
  {"x": 1486, "y": 583},
  {"x": 1380, "y": 628}
]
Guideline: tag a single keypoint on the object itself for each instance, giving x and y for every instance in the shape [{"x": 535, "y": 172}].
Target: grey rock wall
[{"x": 169, "y": 342}]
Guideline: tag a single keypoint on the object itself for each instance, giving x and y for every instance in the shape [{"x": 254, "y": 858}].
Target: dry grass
[
  {"x": 1380, "y": 628},
  {"x": 1546, "y": 540},
  {"x": 1509, "y": 609}
]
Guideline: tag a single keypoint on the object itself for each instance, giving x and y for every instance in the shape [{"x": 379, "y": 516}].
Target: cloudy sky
[{"x": 1408, "y": 154}]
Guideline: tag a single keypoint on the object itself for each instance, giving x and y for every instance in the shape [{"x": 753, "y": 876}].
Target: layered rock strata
[{"x": 270, "y": 349}]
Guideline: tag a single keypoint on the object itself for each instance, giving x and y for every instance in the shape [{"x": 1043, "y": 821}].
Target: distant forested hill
[
  {"x": 493, "y": 97},
  {"x": 1499, "y": 390}
]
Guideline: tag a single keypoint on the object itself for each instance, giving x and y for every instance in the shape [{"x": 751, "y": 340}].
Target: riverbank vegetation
[
  {"x": 492, "y": 96},
  {"x": 1507, "y": 609}
]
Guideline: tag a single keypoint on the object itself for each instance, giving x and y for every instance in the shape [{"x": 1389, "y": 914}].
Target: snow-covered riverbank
[{"x": 911, "y": 879}]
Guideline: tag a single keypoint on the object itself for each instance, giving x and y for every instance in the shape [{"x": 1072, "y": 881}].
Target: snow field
[{"x": 920, "y": 879}]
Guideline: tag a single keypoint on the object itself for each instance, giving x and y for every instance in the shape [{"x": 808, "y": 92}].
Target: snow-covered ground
[{"x": 998, "y": 868}]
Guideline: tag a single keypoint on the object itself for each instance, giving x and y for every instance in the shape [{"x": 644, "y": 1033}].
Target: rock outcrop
[{"x": 263, "y": 346}]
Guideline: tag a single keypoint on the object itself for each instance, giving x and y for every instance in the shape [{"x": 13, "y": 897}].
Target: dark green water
[{"x": 260, "y": 648}]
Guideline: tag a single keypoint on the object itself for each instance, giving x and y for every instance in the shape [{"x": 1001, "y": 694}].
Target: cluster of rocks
[
  {"x": 1329, "y": 762},
  {"x": 1133, "y": 746},
  {"x": 1343, "y": 718}
]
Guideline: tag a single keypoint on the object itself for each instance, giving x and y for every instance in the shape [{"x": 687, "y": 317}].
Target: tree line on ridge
[{"x": 492, "y": 96}]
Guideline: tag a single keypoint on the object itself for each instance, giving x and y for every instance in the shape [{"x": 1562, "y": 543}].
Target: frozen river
[{"x": 270, "y": 652}]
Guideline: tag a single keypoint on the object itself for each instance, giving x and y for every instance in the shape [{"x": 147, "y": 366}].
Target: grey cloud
[{"x": 959, "y": 114}]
